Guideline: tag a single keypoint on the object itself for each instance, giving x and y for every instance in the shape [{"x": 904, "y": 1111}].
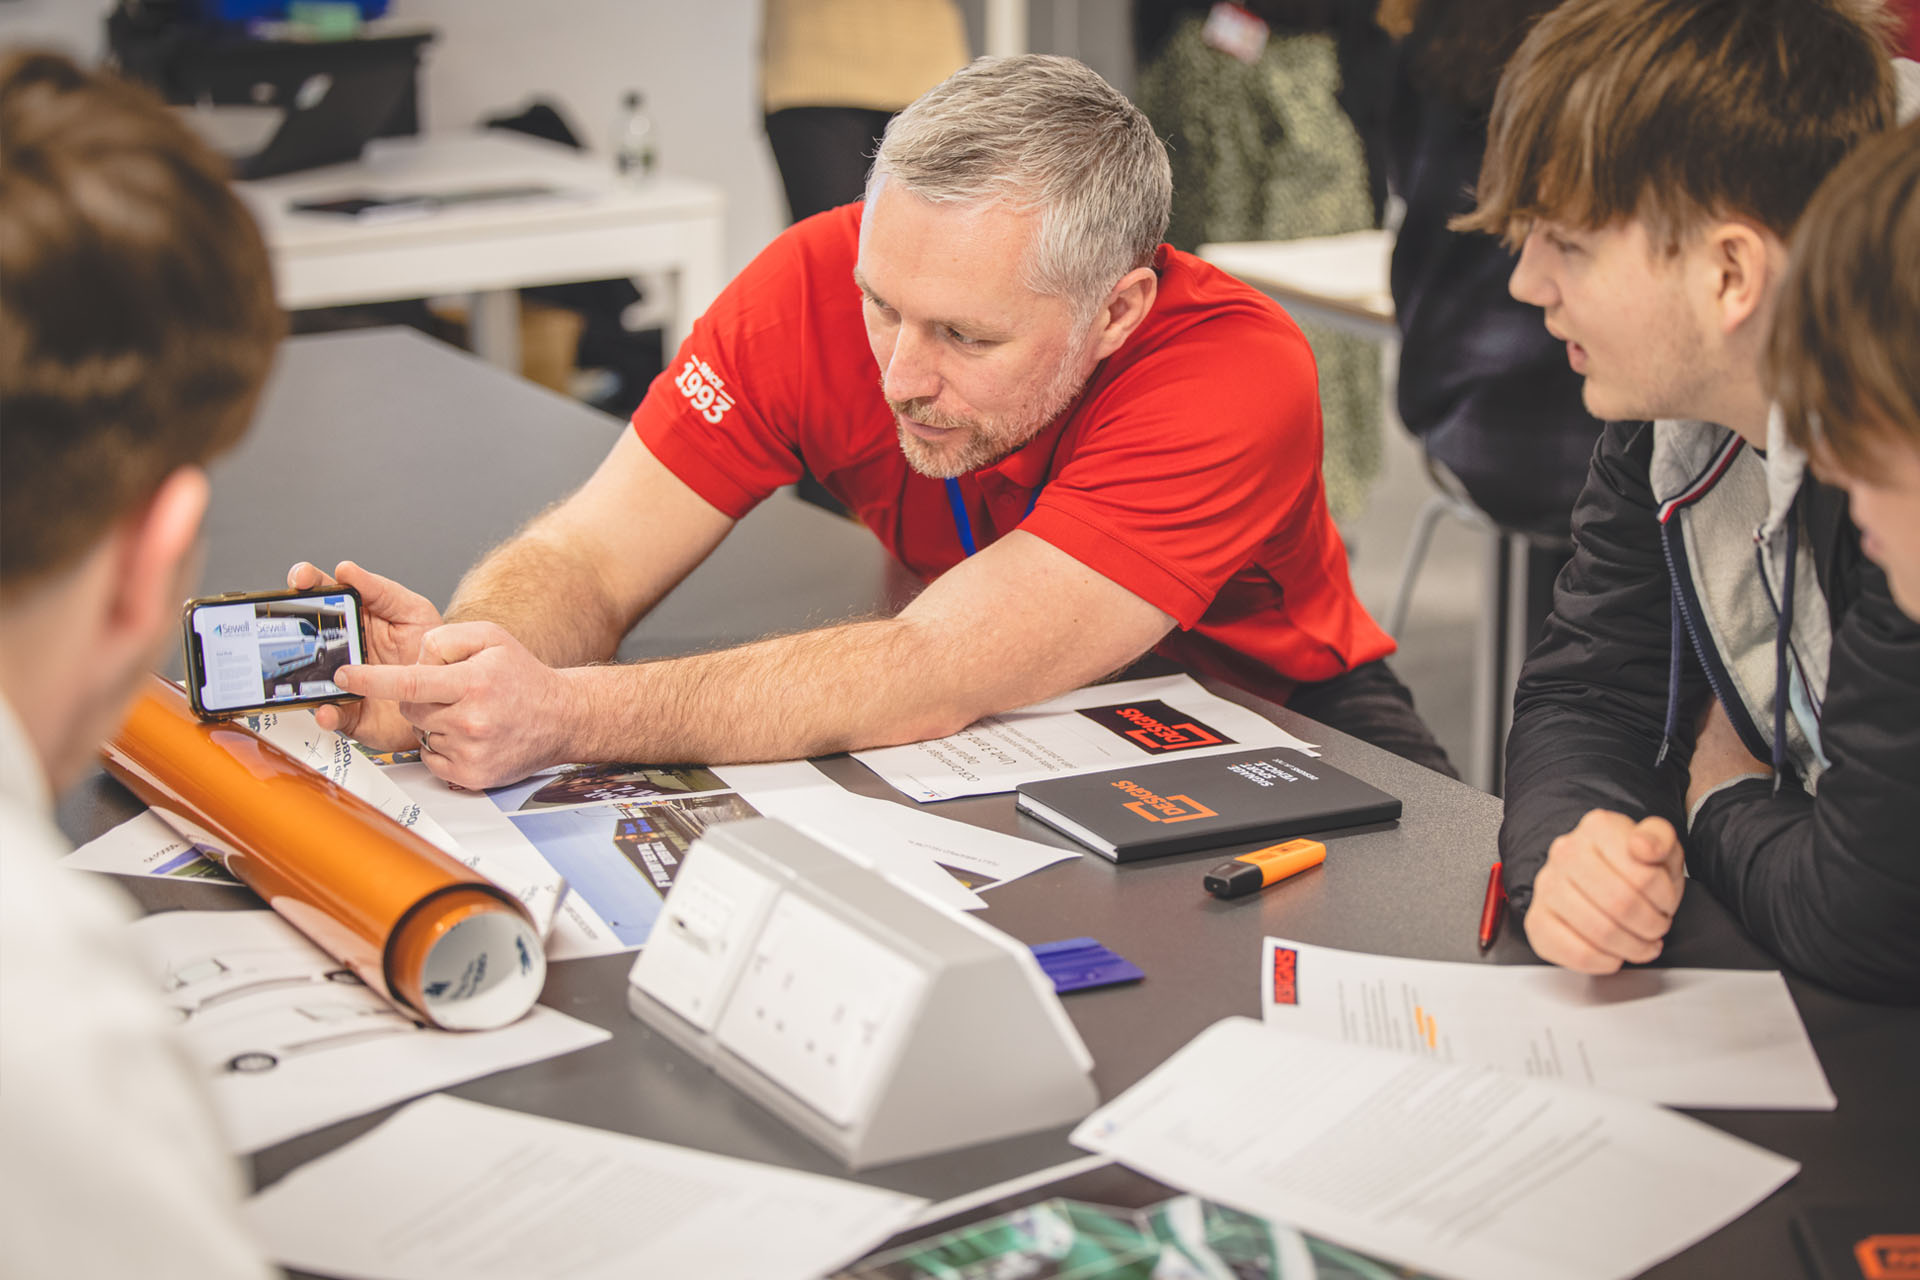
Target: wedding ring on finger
[{"x": 426, "y": 739}]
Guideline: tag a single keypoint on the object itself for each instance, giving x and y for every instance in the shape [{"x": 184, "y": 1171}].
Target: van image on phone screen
[{"x": 286, "y": 644}]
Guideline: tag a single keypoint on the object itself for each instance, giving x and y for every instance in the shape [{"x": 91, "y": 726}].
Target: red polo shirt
[{"x": 1188, "y": 470}]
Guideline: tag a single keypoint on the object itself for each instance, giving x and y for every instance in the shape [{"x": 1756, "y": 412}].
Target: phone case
[{"x": 196, "y": 665}]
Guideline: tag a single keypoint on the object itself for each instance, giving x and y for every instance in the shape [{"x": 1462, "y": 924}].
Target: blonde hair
[
  {"x": 1845, "y": 354},
  {"x": 1044, "y": 134}
]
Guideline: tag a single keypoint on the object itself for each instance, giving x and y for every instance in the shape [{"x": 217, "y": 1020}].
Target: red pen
[{"x": 1490, "y": 909}]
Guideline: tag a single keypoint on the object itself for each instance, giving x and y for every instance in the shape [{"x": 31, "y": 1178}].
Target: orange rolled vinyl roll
[{"x": 413, "y": 923}]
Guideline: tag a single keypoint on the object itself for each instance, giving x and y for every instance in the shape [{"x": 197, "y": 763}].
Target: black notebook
[{"x": 1173, "y": 806}]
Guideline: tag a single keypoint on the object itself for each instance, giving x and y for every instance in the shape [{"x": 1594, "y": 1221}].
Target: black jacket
[
  {"x": 1482, "y": 383},
  {"x": 1829, "y": 884}
]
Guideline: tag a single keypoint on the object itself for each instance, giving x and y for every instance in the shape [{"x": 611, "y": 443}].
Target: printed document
[
  {"x": 1102, "y": 727},
  {"x": 942, "y": 858},
  {"x": 1684, "y": 1037},
  {"x": 448, "y": 1188},
  {"x": 291, "y": 1041},
  {"x": 335, "y": 757},
  {"x": 143, "y": 845},
  {"x": 616, "y": 856},
  {"x": 1463, "y": 1171},
  {"x": 617, "y": 833}
]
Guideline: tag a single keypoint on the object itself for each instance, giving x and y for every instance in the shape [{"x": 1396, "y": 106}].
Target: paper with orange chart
[
  {"x": 1699, "y": 1038},
  {"x": 1100, "y": 727},
  {"x": 1462, "y": 1171}
]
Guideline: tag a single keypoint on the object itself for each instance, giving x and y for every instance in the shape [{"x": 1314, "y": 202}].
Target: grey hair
[{"x": 1040, "y": 133}]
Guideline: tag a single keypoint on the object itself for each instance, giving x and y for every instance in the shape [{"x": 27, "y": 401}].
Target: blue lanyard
[{"x": 964, "y": 526}]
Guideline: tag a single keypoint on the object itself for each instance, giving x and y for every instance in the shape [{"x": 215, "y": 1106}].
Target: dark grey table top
[{"x": 412, "y": 458}]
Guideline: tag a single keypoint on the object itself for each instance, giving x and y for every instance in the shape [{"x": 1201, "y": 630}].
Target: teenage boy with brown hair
[
  {"x": 1721, "y": 659},
  {"x": 1846, "y": 351},
  {"x": 137, "y": 322}
]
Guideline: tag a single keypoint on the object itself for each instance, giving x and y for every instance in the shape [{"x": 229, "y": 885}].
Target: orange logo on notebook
[
  {"x": 1159, "y": 808},
  {"x": 1889, "y": 1257}
]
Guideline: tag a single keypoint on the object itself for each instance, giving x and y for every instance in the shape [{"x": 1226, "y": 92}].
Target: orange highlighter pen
[{"x": 1240, "y": 876}]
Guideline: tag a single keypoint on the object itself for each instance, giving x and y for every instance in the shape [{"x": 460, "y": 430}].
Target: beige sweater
[{"x": 877, "y": 54}]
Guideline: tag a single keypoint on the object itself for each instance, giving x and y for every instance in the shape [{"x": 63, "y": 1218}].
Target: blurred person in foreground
[{"x": 137, "y": 323}]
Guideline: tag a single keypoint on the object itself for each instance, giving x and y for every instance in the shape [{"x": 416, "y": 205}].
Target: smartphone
[{"x": 268, "y": 650}]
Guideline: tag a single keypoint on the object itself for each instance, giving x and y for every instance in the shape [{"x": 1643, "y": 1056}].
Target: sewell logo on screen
[{"x": 1155, "y": 727}]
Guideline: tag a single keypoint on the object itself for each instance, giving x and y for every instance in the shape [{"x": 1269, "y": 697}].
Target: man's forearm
[
  {"x": 1019, "y": 623},
  {"x": 843, "y": 688},
  {"x": 554, "y": 603}
]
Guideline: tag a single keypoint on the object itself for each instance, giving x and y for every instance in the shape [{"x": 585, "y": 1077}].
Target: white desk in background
[
  {"x": 595, "y": 227},
  {"x": 1340, "y": 281}
]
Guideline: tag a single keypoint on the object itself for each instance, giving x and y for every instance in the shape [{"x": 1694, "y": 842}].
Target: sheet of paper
[
  {"x": 145, "y": 846},
  {"x": 335, "y": 758},
  {"x": 949, "y": 861},
  {"x": 860, "y": 828},
  {"x": 1683, "y": 1037},
  {"x": 290, "y": 1041},
  {"x": 1459, "y": 1170},
  {"x": 617, "y": 832},
  {"x": 579, "y": 784},
  {"x": 489, "y": 831},
  {"x": 619, "y": 860},
  {"x": 448, "y": 1188},
  {"x": 1102, "y": 727}
]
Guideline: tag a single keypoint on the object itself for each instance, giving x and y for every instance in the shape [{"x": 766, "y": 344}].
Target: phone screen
[{"x": 269, "y": 651}]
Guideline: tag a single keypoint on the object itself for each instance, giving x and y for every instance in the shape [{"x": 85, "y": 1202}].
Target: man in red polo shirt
[{"x": 1090, "y": 445}]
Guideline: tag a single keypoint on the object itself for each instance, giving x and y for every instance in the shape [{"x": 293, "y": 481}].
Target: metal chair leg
[{"x": 1423, "y": 526}]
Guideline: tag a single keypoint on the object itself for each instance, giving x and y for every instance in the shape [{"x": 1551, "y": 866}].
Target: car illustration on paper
[
  {"x": 249, "y": 1011},
  {"x": 208, "y": 982},
  {"x": 315, "y": 1025}
]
